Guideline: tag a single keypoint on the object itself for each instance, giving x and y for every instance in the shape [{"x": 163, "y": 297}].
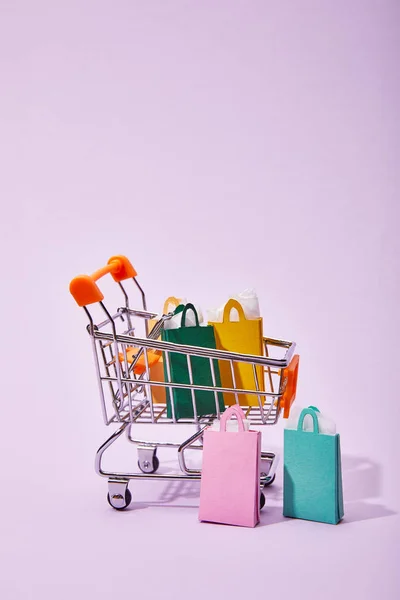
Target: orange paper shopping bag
[
  {"x": 157, "y": 370},
  {"x": 246, "y": 337},
  {"x": 230, "y": 476},
  {"x": 169, "y": 306}
]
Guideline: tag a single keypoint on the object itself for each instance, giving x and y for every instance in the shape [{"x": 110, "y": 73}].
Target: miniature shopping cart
[{"x": 133, "y": 393}]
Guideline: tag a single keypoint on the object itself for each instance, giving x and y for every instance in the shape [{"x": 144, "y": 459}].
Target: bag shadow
[{"x": 362, "y": 481}]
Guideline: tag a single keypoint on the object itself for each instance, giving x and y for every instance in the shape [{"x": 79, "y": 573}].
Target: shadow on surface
[
  {"x": 362, "y": 511},
  {"x": 362, "y": 481},
  {"x": 270, "y": 515},
  {"x": 188, "y": 490},
  {"x": 155, "y": 504},
  {"x": 274, "y": 493},
  {"x": 362, "y": 478},
  {"x": 173, "y": 491},
  {"x": 179, "y": 489}
]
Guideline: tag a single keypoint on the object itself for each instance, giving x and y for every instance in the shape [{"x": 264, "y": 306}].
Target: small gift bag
[
  {"x": 157, "y": 370},
  {"x": 230, "y": 476},
  {"x": 202, "y": 375},
  {"x": 246, "y": 337},
  {"x": 312, "y": 484}
]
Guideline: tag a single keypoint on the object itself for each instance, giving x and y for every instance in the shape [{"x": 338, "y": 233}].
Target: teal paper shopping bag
[
  {"x": 201, "y": 369},
  {"x": 312, "y": 477}
]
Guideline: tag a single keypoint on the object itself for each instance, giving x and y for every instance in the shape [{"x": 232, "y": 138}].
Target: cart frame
[{"x": 123, "y": 364}]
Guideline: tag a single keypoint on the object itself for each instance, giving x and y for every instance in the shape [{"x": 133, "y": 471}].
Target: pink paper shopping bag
[{"x": 230, "y": 477}]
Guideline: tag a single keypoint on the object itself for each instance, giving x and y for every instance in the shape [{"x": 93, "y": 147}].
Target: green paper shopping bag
[
  {"x": 312, "y": 477},
  {"x": 202, "y": 375}
]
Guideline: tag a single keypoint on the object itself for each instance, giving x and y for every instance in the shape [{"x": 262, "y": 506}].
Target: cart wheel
[
  {"x": 271, "y": 481},
  {"x": 128, "y": 500},
  {"x": 262, "y": 501},
  {"x": 147, "y": 467}
]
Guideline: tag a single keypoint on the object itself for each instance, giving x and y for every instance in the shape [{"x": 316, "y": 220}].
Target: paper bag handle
[
  {"x": 228, "y": 414},
  {"x": 232, "y": 303},
  {"x": 309, "y": 411},
  {"x": 183, "y": 319},
  {"x": 170, "y": 300}
]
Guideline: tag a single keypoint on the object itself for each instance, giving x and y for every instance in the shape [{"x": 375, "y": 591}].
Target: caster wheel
[
  {"x": 128, "y": 500},
  {"x": 271, "y": 481},
  {"x": 262, "y": 501},
  {"x": 148, "y": 467}
]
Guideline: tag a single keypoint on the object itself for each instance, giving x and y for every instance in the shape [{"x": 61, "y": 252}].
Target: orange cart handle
[
  {"x": 289, "y": 395},
  {"x": 84, "y": 288}
]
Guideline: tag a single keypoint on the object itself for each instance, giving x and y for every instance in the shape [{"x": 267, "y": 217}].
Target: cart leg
[
  {"x": 269, "y": 463},
  {"x": 119, "y": 497},
  {"x": 99, "y": 454},
  {"x": 148, "y": 461},
  {"x": 187, "y": 444}
]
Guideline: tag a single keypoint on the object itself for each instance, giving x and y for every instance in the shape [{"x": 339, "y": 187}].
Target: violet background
[{"x": 220, "y": 145}]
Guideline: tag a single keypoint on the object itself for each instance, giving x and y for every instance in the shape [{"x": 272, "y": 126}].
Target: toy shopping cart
[{"x": 130, "y": 392}]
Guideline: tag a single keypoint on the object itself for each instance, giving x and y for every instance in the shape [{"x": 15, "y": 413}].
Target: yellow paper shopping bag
[
  {"x": 244, "y": 336},
  {"x": 157, "y": 370}
]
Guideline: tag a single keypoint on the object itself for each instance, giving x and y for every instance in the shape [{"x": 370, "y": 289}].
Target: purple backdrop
[{"x": 220, "y": 145}]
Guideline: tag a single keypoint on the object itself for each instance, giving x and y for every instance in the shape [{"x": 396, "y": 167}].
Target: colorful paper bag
[
  {"x": 205, "y": 400},
  {"x": 312, "y": 484},
  {"x": 157, "y": 370},
  {"x": 170, "y": 305},
  {"x": 230, "y": 476},
  {"x": 244, "y": 336}
]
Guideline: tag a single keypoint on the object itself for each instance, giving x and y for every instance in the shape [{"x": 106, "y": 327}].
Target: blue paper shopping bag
[{"x": 312, "y": 478}]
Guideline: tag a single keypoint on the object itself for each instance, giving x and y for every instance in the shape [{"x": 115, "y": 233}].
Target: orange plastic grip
[
  {"x": 289, "y": 395},
  {"x": 84, "y": 288}
]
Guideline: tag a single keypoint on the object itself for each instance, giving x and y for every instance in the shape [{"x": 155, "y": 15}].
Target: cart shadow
[
  {"x": 143, "y": 505},
  {"x": 189, "y": 490},
  {"x": 362, "y": 483},
  {"x": 179, "y": 489},
  {"x": 172, "y": 492},
  {"x": 274, "y": 493},
  {"x": 271, "y": 515}
]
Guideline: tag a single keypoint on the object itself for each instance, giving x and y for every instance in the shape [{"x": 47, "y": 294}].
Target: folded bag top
[
  {"x": 230, "y": 477},
  {"x": 246, "y": 337},
  {"x": 194, "y": 370},
  {"x": 312, "y": 478}
]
